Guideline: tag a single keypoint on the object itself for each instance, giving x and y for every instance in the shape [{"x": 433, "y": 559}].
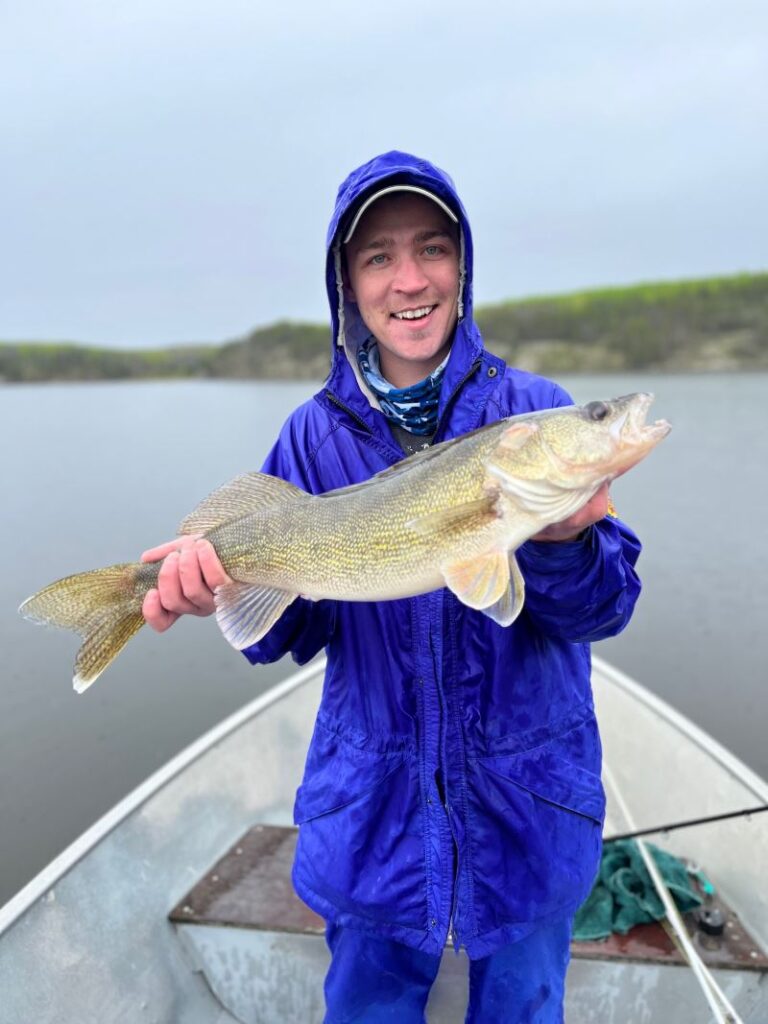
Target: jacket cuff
[{"x": 555, "y": 556}]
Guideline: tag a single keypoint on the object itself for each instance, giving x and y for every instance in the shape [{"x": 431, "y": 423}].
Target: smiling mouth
[{"x": 414, "y": 314}]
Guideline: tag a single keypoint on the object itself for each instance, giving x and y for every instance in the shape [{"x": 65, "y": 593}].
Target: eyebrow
[{"x": 382, "y": 242}]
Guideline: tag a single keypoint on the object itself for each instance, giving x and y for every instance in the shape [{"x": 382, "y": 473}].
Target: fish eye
[{"x": 597, "y": 410}]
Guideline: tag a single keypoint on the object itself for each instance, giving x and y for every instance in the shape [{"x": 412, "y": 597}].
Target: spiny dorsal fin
[
  {"x": 240, "y": 497},
  {"x": 417, "y": 459},
  {"x": 246, "y": 611},
  {"x": 472, "y": 515}
]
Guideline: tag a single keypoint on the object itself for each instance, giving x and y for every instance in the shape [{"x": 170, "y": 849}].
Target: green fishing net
[{"x": 624, "y": 894}]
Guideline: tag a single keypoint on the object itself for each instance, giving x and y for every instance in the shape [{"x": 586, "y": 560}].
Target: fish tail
[{"x": 103, "y": 606}]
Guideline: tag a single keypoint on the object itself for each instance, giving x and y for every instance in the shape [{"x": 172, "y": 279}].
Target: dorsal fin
[
  {"x": 240, "y": 497},
  {"x": 417, "y": 459}
]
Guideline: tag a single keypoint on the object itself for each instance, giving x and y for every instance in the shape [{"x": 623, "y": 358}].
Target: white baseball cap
[{"x": 387, "y": 191}]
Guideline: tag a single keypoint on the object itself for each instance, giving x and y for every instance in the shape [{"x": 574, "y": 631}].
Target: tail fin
[{"x": 103, "y": 606}]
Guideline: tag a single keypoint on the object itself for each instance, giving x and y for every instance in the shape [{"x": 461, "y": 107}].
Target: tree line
[{"x": 697, "y": 325}]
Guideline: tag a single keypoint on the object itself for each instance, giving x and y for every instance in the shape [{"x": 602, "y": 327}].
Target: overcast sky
[{"x": 168, "y": 167}]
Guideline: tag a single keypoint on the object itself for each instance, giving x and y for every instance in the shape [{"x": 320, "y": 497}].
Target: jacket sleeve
[
  {"x": 586, "y": 589},
  {"x": 306, "y": 626}
]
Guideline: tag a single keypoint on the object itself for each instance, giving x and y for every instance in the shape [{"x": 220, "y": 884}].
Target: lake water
[{"x": 94, "y": 473}]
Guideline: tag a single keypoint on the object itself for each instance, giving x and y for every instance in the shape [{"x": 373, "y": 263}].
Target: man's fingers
[
  {"x": 179, "y": 544},
  {"x": 214, "y": 573},
  {"x": 156, "y": 616},
  {"x": 169, "y": 585},
  {"x": 193, "y": 585}
]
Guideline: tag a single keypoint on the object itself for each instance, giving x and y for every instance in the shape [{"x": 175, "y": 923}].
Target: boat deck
[
  {"x": 250, "y": 887},
  {"x": 89, "y": 939}
]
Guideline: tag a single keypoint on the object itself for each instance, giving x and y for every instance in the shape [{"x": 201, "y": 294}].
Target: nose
[{"x": 409, "y": 277}]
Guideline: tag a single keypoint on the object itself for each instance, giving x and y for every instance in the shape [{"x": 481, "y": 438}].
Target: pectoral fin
[
  {"x": 510, "y": 604},
  {"x": 479, "y": 582},
  {"x": 492, "y": 584},
  {"x": 245, "y": 612},
  {"x": 516, "y": 435}
]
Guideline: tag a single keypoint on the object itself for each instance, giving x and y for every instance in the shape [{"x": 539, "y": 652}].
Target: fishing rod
[
  {"x": 687, "y": 823},
  {"x": 722, "y": 1010}
]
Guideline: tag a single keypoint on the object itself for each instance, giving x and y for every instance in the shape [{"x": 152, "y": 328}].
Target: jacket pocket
[
  {"x": 537, "y": 822},
  {"x": 554, "y": 779},
  {"x": 338, "y": 773},
  {"x": 361, "y": 845}
]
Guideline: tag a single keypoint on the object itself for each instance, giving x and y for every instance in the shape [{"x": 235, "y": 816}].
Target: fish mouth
[{"x": 634, "y": 437}]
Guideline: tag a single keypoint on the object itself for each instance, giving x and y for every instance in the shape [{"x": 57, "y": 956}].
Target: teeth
[{"x": 414, "y": 314}]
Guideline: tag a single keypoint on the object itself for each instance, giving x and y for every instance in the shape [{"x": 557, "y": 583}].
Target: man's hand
[
  {"x": 190, "y": 573},
  {"x": 570, "y": 528}
]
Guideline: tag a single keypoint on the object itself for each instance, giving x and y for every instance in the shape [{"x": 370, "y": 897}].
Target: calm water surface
[{"x": 92, "y": 474}]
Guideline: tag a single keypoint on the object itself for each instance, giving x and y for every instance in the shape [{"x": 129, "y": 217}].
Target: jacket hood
[{"x": 348, "y": 329}]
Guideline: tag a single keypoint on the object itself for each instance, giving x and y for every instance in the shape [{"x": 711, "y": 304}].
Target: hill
[{"x": 711, "y": 324}]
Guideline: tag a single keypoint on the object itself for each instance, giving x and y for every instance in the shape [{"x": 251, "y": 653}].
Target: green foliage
[
  {"x": 39, "y": 361},
  {"x": 710, "y": 324},
  {"x": 661, "y": 325}
]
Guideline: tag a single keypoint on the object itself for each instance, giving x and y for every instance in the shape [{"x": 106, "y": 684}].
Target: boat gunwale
[
  {"x": 38, "y": 886},
  {"x": 706, "y": 742},
  {"x": 62, "y": 864}
]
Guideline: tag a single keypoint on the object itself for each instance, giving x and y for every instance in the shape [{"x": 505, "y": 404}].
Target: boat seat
[
  {"x": 255, "y": 940},
  {"x": 250, "y": 887}
]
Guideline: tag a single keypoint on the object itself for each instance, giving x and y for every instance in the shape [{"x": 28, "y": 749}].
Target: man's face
[{"x": 403, "y": 267}]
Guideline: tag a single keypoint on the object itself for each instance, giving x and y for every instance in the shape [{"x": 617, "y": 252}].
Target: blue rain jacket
[{"x": 454, "y": 771}]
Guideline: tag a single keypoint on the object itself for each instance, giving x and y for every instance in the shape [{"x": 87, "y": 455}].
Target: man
[{"x": 452, "y": 786}]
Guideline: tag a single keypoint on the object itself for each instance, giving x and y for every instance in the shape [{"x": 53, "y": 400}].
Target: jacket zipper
[
  {"x": 358, "y": 419},
  {"x": 472, "y": 370},
  {"x": 453, "y": 937},
  {"x": 444, "y": 796}
]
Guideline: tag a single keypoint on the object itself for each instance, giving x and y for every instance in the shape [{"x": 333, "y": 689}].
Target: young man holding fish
[{"x": 452, "y": 786}]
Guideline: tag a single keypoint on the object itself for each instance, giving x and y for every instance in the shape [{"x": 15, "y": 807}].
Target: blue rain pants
[{"x": 372, "y": 980}]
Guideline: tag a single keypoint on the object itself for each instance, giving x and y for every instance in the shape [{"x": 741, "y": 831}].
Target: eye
[
  {"x": 377, "y": 260},
  {"x": 432, "y": 250},
  {"x": 597, "y": 410}
]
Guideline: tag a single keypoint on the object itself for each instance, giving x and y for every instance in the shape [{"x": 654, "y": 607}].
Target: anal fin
[{"x": 245, "y": 612}]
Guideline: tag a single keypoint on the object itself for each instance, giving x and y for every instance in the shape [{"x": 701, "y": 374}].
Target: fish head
[
  {"x": 554, "y": 460},
  {"x": 600, "y": 440}
]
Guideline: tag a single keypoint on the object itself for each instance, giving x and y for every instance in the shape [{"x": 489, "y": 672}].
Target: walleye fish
[{"x": 452, "y": 516}]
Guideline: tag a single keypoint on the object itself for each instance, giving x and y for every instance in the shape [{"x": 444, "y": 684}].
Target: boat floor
[{"x": 250, "y": 888}]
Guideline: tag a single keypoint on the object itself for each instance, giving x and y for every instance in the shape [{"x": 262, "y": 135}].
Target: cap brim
[{"x": 397, "y": 188}]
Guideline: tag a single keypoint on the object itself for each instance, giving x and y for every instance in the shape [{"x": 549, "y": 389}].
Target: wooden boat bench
[{"x": 263, "y": 953}]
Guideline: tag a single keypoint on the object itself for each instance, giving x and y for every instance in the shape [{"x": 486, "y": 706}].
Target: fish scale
[{"x": 451, "y": 515}]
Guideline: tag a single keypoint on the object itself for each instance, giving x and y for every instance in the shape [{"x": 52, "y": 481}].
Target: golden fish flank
[{"x": 452, "y": 516}]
